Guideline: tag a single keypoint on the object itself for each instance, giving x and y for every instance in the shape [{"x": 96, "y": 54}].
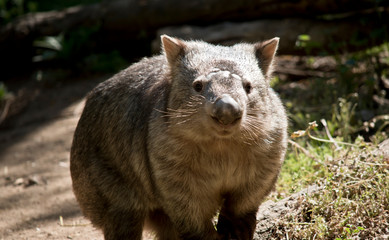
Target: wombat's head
[{"x": 218, "y": 92}]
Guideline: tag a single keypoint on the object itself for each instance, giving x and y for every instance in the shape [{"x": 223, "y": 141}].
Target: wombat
[{"x": 175, "y": 139}]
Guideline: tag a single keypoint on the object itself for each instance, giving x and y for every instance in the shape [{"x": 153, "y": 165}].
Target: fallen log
[
  {"x": 298, "y": 36},
  {"x": 135, "y": 16}
]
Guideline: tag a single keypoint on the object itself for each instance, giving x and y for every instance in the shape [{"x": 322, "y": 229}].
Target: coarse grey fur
[{"x": 171, "y": 140}]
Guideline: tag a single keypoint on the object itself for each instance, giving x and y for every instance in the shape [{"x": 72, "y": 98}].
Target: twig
[
  {"x": 374, "y": 164},
  {"x": 371, "y": 123},
  {"x": 297, "y": 223},
  {"x": 307, "y": 131},
  {"x": 305, "y": 151},
  {"x": 324, "y": 122},
  {"x": 356, "y": 183},
  {"x": 71, "y": 225},
  {"x": 328, "y": 141}
]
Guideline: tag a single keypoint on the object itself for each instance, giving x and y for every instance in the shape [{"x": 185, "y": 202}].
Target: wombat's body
[{"x": 174, "y": 138}]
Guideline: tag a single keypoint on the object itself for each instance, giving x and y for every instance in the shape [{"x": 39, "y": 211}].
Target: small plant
[
  {"x": 3, "y": 91},
  {"x": 343, "y": 122}
]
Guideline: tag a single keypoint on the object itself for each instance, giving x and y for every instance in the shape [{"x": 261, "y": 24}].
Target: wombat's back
[{"x": 109, "y": 148}]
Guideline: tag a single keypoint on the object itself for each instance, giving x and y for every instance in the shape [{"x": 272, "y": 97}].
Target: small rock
[
  {"x": 18, "y": 181},
  {"x": 31, "y": 181}
]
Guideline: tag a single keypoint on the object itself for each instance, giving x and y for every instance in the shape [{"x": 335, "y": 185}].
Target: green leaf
[{"x": 304, "y": 37}]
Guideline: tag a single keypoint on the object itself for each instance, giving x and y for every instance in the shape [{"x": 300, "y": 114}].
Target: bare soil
[{"x": 35, "y": 183}]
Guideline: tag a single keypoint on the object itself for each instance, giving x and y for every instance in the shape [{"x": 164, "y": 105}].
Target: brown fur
[{"x": 155, "y": 146}]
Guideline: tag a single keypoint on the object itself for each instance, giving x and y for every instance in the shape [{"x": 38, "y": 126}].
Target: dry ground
[{"x": 35, "y": 184}]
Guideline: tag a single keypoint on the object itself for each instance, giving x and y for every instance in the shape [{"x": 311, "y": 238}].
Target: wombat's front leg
[
  {"x": 122, "y": 224},
  {"x": 236, "y": 226},
  {"x": 191, "y": 216},
  {"x": 190, "y": 227},
  {"x": 209, "y": 235}
]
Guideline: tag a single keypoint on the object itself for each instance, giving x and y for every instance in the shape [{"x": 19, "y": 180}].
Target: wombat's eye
[
  {"x": 247, "y": 87},
  {"x": 198, "y": 86}
]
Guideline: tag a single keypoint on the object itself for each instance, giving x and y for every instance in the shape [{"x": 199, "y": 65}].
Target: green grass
[{"x": 354, "y": 201}]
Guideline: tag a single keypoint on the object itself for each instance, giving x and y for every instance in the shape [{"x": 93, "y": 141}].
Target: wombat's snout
[{"x": 226, "y": 110}]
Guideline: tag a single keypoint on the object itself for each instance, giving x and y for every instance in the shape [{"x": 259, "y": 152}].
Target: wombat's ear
[
  {"x": 265, "y": 52},
  {"x": 172, "y": 47}
]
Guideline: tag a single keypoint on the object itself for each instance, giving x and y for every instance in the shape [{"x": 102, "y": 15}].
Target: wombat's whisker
[
  {"x": 177, "y": 114},
  {"x": 254, "y": 125},
  {"x": 170, "y": 110},
  {"x": 182, "y": 122},
  {"x": 248, "y": 134}
]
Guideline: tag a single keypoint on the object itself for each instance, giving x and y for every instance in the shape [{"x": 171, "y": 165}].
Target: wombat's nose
[{"x": 226, "y": 110}]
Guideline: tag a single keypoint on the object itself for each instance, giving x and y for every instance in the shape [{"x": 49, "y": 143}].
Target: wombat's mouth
[
  {"x": 224, "y": 130},
  {"x": 220, "y": 123}
]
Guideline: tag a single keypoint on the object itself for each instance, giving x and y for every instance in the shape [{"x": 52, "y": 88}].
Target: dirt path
[{"x": 35, "y": 184}]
